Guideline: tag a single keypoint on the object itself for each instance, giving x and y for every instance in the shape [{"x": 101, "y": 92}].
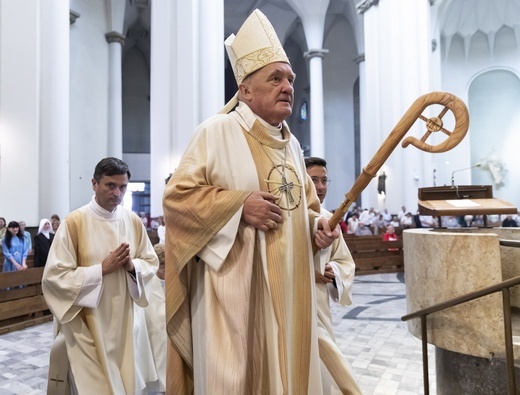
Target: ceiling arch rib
[{"x": 466, "y": 18}]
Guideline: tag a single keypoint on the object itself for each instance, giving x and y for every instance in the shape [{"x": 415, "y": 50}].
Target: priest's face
[
  {"x": 319, "y": 178},
  {"x": 110, "y": 190},
  {"x": 269, "y": 92}
]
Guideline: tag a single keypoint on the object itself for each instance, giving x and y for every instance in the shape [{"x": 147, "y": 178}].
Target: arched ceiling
[
  {"x": 464, "y": 18},
  {"x": 468, "y": 18},
  {"x": 138, "y": 12}
]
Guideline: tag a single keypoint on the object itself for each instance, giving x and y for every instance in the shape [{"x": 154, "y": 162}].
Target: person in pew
[
  {"x": 26, "y": 235},
  {"x": 3, "y": 227},
  {"x": 101, "y": 265},
  {"x": 42, "y": 243},
  {"x": 509, "y": 222},
  {"x": 363, "y": 230},
  {"x": 390, "y": 235},
  {"x": 55, "y": 222},
  {"x": 395, "y": 222},
  {"x": 334, "y": 273},
  {"x": 15, "y": 248},
  {"x": 352, "y": 224},
  {"x": 378, "y": 224}
]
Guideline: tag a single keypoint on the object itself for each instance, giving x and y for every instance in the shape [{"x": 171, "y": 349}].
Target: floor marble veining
[{"x": 385, "y": 357}]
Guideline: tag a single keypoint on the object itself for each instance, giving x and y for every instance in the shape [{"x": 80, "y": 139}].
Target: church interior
[{"x": 81, "y": 80}]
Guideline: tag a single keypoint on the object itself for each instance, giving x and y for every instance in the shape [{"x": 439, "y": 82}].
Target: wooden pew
[
  {"x": 21, "y": 300},
  {"x": 373, "y": 255}
]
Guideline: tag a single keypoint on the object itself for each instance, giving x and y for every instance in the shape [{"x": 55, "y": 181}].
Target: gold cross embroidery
[{"x": 286, "y": 187}]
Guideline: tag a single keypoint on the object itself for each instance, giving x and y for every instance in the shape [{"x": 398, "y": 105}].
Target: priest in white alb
[
  {"x": 334, "y": 270},
  {"x": 100, "y": 267}
]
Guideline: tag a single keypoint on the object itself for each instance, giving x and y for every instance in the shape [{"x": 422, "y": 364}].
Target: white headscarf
[{"x": 41, "y": 230}]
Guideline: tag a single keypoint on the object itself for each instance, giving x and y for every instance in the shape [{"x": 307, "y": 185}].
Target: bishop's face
[{"x": 269, "y": 92}]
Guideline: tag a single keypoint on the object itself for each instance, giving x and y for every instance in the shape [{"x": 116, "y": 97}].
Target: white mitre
[{"x": 255, "y": 45}]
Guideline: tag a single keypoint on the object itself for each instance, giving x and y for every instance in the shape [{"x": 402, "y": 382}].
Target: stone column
[
  {"x": 115, "y": 41},
  {"x": 315, "y": 57},
  {"x": 54, "y": 180},
  {"x": 397, "y": 66},
  {"x": 211, "y": 52},
  {"x": 187, "y": 80},
  {"x": 312, "y": 14},
  {"x": 161, "y": 111}
]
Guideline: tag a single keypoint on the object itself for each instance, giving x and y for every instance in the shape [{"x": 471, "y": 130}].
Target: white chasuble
[
  {"x": 95, "y": 312},
  {"x": 240, "y": 302}
]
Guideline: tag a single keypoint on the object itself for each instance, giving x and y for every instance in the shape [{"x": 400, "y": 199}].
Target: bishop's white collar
[{"x": 248, "y": 117}]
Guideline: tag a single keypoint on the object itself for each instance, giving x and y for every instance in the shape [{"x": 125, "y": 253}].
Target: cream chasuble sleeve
[
  {"x": 339, "y": 257},
  {"x": 92, "y": 287},
  {"x": 215, "y": 252},
  {"x": 63, "y": 281},
  {"x": 337, "y": 375}
]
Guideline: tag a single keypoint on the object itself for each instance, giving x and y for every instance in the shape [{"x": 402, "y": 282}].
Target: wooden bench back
[
  {"x": 373, "y": 255},
  {"x": 21, "y": 300}
]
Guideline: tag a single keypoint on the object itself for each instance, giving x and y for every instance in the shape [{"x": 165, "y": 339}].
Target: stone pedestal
[
  {"x": 443, "y": 264},
  {"x": 464, "y": 374}
]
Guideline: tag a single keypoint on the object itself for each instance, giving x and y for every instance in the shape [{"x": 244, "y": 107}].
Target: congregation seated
[
  {"x": 378, "y": 226},
  {"x": 407, "y": 221},
  {"x": 352, "y": 224},
  {"x": 509, "y": 222},
  {"x": 362, "y": 230}
]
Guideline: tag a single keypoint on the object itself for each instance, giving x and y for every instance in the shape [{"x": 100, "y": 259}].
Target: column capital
[
  {"x": 315, "y": 53},
  {"x": 364, "y": 5},
  {"x": 115, "y": 37},
  {"x": 73, "y": 15},
  {"x": 360, "y": 58}
]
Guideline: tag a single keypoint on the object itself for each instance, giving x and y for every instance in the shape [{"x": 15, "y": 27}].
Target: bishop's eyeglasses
[{"x": 324, "y": 180}]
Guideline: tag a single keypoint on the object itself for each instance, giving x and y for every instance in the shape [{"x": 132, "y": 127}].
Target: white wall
[
  {"x": 458, "y": 74},
  {"x": 19, "y": 111}
]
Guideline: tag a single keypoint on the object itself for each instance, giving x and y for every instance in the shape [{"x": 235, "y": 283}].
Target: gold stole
[
  {"x": 294, "y": 336},
  {"x": 75, "y": 226},
  {"x": 195, "y": 224}
]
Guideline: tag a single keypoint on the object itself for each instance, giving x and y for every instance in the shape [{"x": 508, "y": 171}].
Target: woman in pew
[
  {"x": 3, "y": 228},
  {"x": 42, "y": 243},
  {"x": 14, "y": 248}
]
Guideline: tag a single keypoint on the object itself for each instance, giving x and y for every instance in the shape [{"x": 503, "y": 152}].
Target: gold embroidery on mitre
[
  {"x": 256, "y": 45},
  {"x": 285, "y": 184}
]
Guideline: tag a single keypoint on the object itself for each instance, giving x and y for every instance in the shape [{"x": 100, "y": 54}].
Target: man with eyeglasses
[{"x": 334, "y": 273}]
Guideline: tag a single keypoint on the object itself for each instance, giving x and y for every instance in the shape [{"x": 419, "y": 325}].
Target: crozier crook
[{"x": 433, "y": 124}]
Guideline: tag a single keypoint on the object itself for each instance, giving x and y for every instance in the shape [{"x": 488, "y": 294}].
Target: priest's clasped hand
[
  {"x": 261, "y": 211},
  {"x": 325, "y": 236},
  {"x": 327, "y": 277},
  {"x": 119, "y": 258}
]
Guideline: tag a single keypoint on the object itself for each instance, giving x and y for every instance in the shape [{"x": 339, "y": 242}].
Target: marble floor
[{"x": 386, "y": 359}]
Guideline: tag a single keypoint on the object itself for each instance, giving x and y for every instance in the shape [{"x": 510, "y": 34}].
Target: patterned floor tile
[{"x": 385, "y": 357}]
